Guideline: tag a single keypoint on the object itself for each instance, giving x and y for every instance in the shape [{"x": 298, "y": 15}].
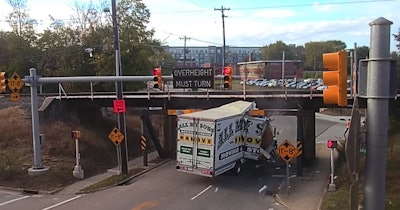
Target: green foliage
[{"x": 84, "y": 48}]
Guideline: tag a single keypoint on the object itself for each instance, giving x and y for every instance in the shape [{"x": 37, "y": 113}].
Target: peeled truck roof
[{"x": 224, "y": 111}]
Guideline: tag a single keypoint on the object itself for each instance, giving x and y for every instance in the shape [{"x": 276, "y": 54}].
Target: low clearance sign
[{"x": 193, "y": 78}]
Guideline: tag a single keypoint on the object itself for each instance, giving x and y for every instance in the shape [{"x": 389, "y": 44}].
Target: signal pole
[
  {"x": 222, "y": 9},
  {"x": 118, "y": 87},
  {"x": 184, "y": 49}
]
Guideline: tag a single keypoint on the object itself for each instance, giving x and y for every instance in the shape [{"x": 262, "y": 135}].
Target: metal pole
[
  {"x": 283, "y": 70},
  {"x": 118, "y": 87},
  {"x": 37, "y": 167},
  {"x": 332, "y": 186},
  {"x": 378, "y": 94},
  {"x": 77, "y": 172},
  {"x": 287, "y": 178}
]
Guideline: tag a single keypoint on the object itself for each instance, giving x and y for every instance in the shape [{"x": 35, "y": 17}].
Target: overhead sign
[
  {"x": 193, "y": 78},
  {"x": 287, "y": 151},
  {"x": 116, "y": 136},
  {"x": 119, "y": 106},
  {"x": 15, "y": 83}
]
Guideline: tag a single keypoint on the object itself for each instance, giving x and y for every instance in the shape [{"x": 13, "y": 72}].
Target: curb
[
  {"x": 30, "y": 191},
  {"x": 125, "y": 180}
]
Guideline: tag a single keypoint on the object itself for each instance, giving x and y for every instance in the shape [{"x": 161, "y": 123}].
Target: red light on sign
[{"x": 332, "y": 143}]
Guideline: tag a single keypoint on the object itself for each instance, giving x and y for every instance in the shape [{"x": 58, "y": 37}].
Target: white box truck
[{"x": 213, "y": 141}]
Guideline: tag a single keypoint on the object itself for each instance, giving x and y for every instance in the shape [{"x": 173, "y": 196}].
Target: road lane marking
[
  {"x": 194, "y": 197},
  {"x": 62, "y": 203},
  {"x": 13, "y": 200}
]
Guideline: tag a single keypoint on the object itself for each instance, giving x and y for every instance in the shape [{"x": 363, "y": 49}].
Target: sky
[{"x": 248, "y": 23}]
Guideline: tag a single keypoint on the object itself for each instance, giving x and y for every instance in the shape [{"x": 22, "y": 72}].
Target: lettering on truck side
[{"x": 230, "y": 152}]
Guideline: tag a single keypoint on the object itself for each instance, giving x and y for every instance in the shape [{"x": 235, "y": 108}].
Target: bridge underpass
[{"x": 301, "y": 105}]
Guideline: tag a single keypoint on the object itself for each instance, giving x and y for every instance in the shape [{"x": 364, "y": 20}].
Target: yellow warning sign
[
  {"x": 15, "y": 83},
  {"x": 287, "y": 151},
  {"x": 15, "y": 96},
  {"x": 116, "y": 136}
]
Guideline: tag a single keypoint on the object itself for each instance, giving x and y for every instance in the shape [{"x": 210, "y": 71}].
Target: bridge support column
[
  {"x": 170, "y": 135},
  {"x": 306, "y": 134}
]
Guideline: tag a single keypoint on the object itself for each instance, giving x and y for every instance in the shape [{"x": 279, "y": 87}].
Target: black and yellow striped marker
[{"x": 143, "y": 142}]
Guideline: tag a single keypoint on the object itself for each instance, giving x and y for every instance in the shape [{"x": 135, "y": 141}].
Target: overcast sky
[{"x": 248, "y": 22}]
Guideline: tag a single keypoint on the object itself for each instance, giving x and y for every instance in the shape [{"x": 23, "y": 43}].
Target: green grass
[{"x": 340, "y": 199}]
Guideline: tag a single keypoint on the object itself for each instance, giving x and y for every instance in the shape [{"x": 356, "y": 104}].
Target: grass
[
  {"x": 340, "y": 199},
  {"x": 111, "y": 181},
  {"x": 97, "y": 152}
]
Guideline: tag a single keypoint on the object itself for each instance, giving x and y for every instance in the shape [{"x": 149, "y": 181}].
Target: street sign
[
  {"x": 193, "y": 78},
  {"x": 287, "y": 151},
  {"x": 119, "y": 106},
  {"x": 116, "y": 136},
  {"x": 15, "y": 83},
  {"x": 14, "y": 97}
]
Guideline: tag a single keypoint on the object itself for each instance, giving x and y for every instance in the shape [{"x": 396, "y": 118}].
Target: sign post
[
  {"x": 287, "y": 152},
  {"x": 117, "y": 137},
  {"x": 77, "y": 172},
  {"x": 332, "y": 145}
]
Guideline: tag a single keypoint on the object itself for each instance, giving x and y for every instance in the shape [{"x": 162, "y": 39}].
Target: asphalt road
[{"x": 165, "y": 188}]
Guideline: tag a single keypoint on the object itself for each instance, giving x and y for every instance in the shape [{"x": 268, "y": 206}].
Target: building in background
[
  {"x": 270, "y": 69},
  {"x": 211, "y": 56}
]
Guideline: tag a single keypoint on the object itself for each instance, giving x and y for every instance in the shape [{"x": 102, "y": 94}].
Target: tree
[
  {"x": 314, "y": 51},
  {"x": 275, "y": 51}
]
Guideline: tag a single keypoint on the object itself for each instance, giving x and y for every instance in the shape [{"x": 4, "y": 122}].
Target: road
[{"x": 165, "y": 188}]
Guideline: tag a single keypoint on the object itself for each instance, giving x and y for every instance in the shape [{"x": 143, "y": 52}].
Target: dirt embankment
[{"x": 97, "y": 152}]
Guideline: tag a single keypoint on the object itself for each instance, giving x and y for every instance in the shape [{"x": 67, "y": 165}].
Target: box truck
[{"x": 213, "y": 141}]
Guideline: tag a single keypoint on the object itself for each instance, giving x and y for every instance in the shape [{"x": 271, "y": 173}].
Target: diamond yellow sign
[
  {"x": 116, "y": 136},
  {"x": 287, "y": 151},
  {"x": 15, "y": 83}
]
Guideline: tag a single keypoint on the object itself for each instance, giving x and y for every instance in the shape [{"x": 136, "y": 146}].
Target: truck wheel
[{"x": 237, "y": 169}]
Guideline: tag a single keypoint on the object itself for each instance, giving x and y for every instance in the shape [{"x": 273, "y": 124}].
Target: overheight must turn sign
[{"x": 193, "y": 78}]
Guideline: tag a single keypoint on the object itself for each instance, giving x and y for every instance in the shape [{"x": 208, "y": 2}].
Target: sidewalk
[
  {"x": 135, "y": 163},
  {"x": 307, "y": 191}
]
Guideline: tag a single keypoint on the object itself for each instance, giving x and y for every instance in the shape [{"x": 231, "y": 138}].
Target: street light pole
[{"x": 118, "y": 87}]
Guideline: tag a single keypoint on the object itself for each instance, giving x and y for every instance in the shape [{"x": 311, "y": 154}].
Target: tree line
[{"x": 83, "y": 45}]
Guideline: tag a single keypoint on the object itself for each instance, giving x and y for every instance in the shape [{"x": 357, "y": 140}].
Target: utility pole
[
  {"x": 222, "y": 9},
  {"x": 118, "y": 87},
  {"x": 184, "y": 49}
]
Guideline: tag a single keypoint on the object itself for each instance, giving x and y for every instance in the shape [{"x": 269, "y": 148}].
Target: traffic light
[
  {"x": 3, "y": 82},
  {"x": 332, "y": 143},
  {"x": 157, "y": 78},
  {"x": 335, "y": 78},
  {"x": 227, "y": 77}
]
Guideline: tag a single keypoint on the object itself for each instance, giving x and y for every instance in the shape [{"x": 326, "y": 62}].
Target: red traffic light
[
  {"x": 227, "y": 70},
  {"x": 157, "y": 78},
  {"x": 332, "y": 143}
]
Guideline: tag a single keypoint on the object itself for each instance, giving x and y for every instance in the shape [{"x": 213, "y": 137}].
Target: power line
[{"x": 280, "y": 6}]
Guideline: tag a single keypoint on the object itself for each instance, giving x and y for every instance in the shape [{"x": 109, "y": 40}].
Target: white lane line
[
  {"x": 61, "y": 203},
  {"x": 194, "y": 197},
  {"x": 13, "y": 200}
]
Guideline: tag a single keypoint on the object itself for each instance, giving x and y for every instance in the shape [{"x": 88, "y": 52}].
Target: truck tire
[{"x": 237, "y": 169}]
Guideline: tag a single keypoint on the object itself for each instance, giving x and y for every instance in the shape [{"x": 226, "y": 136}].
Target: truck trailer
[{"x": 217, "y": 140}]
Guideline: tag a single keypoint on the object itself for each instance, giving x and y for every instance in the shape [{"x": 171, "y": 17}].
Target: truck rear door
[{"x": 195, "y": 145}]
